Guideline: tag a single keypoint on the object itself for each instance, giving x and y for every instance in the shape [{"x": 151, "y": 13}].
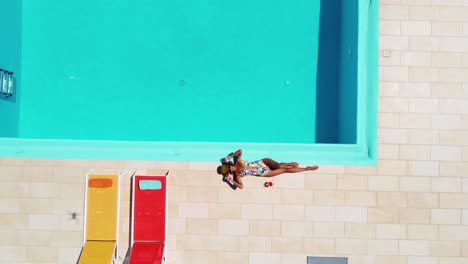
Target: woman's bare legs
[
  {"x": 276, "y": 172},
  {"x": 275, "y": 165}
]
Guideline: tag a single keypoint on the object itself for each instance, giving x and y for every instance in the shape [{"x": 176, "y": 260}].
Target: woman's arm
[
  {"x": 237, "y": 181},
  {"x": 238, "y": 153}
]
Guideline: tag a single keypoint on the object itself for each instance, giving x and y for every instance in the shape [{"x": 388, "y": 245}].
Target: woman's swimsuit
[{"x": 254, "y": 168}]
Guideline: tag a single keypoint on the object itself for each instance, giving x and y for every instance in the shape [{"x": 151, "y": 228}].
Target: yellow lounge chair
[{"x": 101, "y": 235}]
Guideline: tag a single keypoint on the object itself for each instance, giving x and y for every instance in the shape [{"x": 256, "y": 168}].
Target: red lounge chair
[{"x": 149, "y": 220}]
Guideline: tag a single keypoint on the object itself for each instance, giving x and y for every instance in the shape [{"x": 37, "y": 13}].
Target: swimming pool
[{"x": 179, "y": 81}]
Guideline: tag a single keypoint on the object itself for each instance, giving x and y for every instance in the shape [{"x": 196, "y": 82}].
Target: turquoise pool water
[{"x": 189, "y": 81}]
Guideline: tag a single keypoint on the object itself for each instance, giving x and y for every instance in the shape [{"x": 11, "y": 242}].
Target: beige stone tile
[
  {"x": 445, "y": 248},
  {"x": 10, "y": 205},
  {"x": 320, "y": 213},
  {"x": 14, "y": 221},
  {"x": 257, "y": 211},
  {"x": 389, "y": 120},
  {"x": 227, "y": 195},
  {"x": 14, "y": 161},
  {"x": 233, "y": 227},
  {"x": 14, "y": 189},
  {"x": 447, "y": 59},
  {"x": 255, "y": 244},
  {"x": 37, "y": 174},
  {"x": 193, "y": 210},
  {"x": 446, "y": 90},
  {"x": 296, "y": 229},
  {"x": 202, "y": 194},
  {"x": 423, "y": 105},
  {"x": 464, "y": 248},
  {"x": 70, "y": 191},
  {"x": 391, "y": 260},
  {"x": 447, "y": 28},
  {"x": 321, "y": 182},
  {"x": 351, "y": 214},
  {"x": 332, "y": 169},
  {"x": 423, "y": 136},
  {"x": 267, "y": 195},
  {"x": 452, "y": 260},
  {"x": 292, "y": 181},
  {"x": 393, "y": 105},
  {"x": 44, "y": 222},
  {"x": 351, "y": 182},
  {"x": 423, "y": 43},
  {"x": 388, "y": 152},
  {"x": 361, "y": 259},
  {"x": 359, "y": 230},
  {"x": 10, "y": 237},
  {"x": 454, "y": 200},
  {"x": 291, "y": 196},
  {"x": 453, "y": 137},
  {"x": 328, "y": 230},
  {"x": 177, "y": 226},
  {"x": 393, "y": 12},
  {"x": 453, "y": 13},
  {"x": 288, "y": 212},
  {"x": 465, "y": 153},
  {"x": 10, "y": 173},
  {"x": 67, "y": 223},
  {"x": 232, "y": 258},
  {"x": 391, "y": 231},
  {"x": 447, "y": 2},
  {"x": 35, "y": 237},
  {"x": 422, "y": 260},
  {"x": 415, "y": 184},
  {"x": 446, "y": 153},
  {"x": 67, "y": 239},
  {"x": 383, "y": 215},
  {"x": 413, "y": 247},
  {"x": 36, "y": 206},
  {"x": 13, "y": 254},
  {"x": 207, "y": 242},
  {"x": 453, "y": 75},
  {"x": 416, "y": 28},
  {"x": 465, "y": 185},
  {"x": 329, "y": 198},
  {"x": 446, "y": 216},
  {"x": 465, "y": 117},
  {"x": 68, "y": 255},
  {"x": 393, "y": 73},
  {"x": 360, "y": 170},
  {"x": 69, "y": 175},
  {"x": 201, "y": 226},
  {"x": 319, "y": 246},
  {"x": 453, "y": 168},
  {"x": 389, "y": 58},
  {"x": 382, "y": 247},
  {"x": 383, "y": 183},
  {"x": 445, "y": 121},
  {"x": 415, "y": 58},
  {"x": 351, "y": 246},
  {"x": 415, "y": 152},
  {"x": 392, "y": 199},
  {"x": 260, "y": 258},
  {"x": 286, "y": 245},
  {"x": 264, "y": 228},
  {"x": 393, "y": 136},
  {"x": 292, "y": 258},
  {"x": 423, "y": 200},
  {"x": 455, "y": 107},
  {"x": 415, "y": 216},
  {"x": 422, "y": 74},
  {"x": 225, "y": 211},
  {"x": 422, "y": 10},
  {"x": 356, "y": 198},
  {"x": 415, "y": 120},
  {"x": 446, "y": 184},
  {"x": 195, "y": 257},
  {"x": 392, "y": 167},
  {"x": 391, "y": 27},
  {"x": 453, "y": 232},
  {"x": 423, "y": 232},
  {"x": 389, "y": 89}
]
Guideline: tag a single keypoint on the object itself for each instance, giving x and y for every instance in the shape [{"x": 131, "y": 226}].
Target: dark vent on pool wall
[
  {"x": 336, "y": 120},
  {"x": 6, "y": 84},
  {"x": 327, "y": 260}
]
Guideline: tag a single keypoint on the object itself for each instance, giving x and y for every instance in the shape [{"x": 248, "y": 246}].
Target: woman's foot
[{"x": 312, "y": 168}]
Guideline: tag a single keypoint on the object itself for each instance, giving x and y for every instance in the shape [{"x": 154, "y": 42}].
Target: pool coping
[{"x": 361, "y": 153}]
